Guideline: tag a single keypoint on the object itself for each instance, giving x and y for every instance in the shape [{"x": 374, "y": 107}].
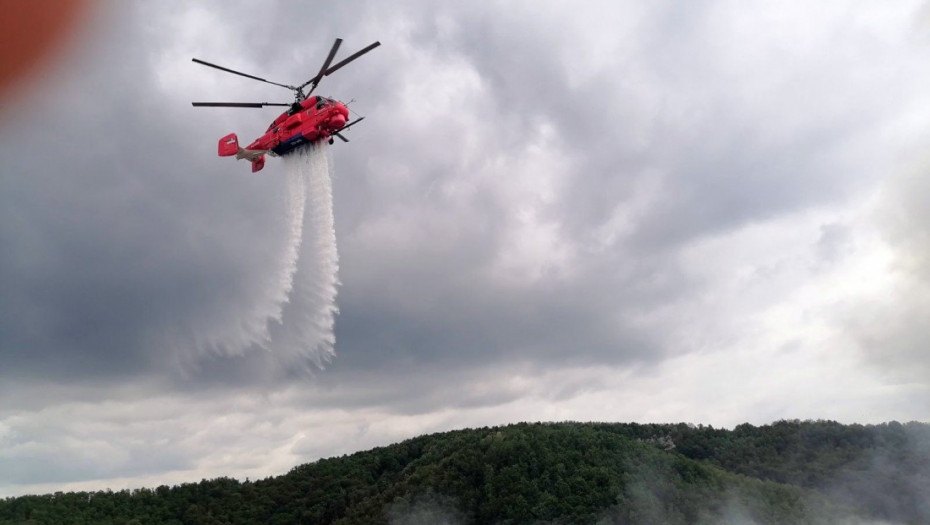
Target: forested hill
[{"x": 789, "y": 472}]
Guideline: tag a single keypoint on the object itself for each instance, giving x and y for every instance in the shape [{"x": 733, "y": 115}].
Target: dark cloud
[
  {"x": 121, "y": 231},
  {"x": 520, "y": 199},
  {"x": 127, "y": 237}
]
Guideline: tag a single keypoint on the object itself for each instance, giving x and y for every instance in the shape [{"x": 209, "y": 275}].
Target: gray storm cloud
[{"x": 543, "y": 215}]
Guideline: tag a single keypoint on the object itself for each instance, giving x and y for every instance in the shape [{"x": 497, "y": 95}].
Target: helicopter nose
[{"x": 337, "y": 121}]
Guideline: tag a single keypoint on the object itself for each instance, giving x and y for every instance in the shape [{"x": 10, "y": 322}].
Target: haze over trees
[{"x": 574, "y": 473}]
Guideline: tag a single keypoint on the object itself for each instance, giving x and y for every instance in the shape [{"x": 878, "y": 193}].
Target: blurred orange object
[{"x": 30, "y": 32}]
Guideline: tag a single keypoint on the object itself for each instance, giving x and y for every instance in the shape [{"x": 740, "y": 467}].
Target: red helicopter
[{"x": 308, "y": 119}]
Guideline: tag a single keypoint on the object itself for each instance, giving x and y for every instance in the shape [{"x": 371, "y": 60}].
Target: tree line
[{"x": 567, "y": 473}]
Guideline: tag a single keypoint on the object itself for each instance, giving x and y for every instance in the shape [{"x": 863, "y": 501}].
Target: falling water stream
[
  {"x": 291, "y": 308},
  {"x": 304, "y": 331}
]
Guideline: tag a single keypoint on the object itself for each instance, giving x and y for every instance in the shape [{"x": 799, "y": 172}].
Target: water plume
[
  {"x": 291, "y": 309},
  {"x": 304, "y": 332}
]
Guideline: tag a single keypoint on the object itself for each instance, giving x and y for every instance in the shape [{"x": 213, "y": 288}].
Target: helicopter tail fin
[{"x": 229, "y": 145}]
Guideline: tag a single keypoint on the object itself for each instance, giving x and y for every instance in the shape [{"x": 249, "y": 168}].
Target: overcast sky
[{"x": 705, "y": 211}]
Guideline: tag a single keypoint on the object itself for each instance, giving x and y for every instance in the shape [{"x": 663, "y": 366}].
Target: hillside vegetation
[{"x": 789, "y": 472}]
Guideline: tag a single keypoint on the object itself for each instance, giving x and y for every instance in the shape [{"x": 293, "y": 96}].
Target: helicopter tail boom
[{"x": 229, "y": 146}]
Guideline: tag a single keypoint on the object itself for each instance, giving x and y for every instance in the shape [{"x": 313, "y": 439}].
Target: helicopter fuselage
[
  {"x": 316, "y": 119},
  {"x": 313, "y": 119}
]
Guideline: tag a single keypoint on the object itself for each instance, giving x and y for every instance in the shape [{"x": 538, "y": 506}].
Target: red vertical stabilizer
[{"x": 229, "y": 145}]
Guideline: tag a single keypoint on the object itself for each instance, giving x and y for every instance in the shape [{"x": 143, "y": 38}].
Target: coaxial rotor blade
[
  {"x": 237, "y": 104},
  {"x": 324, "y": 71},
  {"x": 351, "y": 58},
  {"x": 329, "y": 59},
  {"x": 336, "y": 133},
  {"x": 221, "y": 68}
]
